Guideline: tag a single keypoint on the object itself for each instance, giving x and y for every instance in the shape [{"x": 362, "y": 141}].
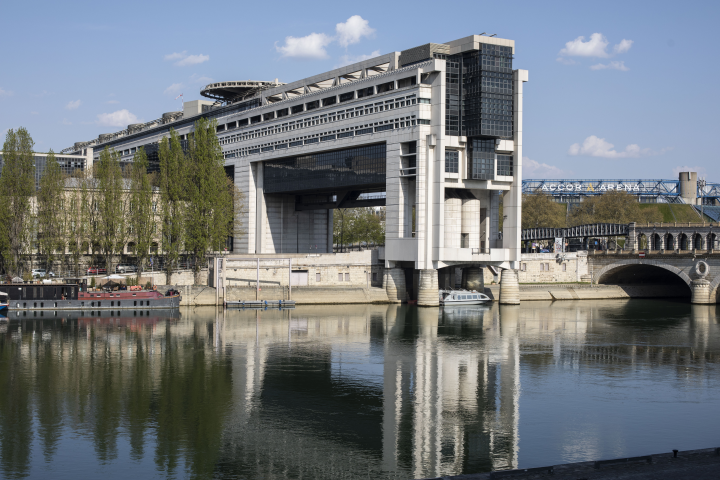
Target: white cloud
[
  {"x": 311, "y": 46},
  {"x": 193, "y": 60},
  {"x": 593, "y": 146},
  {"x": 595, "y": 47},
  {"x": 184, "y": 60},
  {"x": 120, "y": 118},
  {"x": 623, "y": 46},
  {"x": 174, "y": 89},
  {"x": 176, "y": 56},
  {"x": 353, "y": 30},
  {"x": 614, "y": 65},
  {"x": 112, "y": 102},
  {"x": 348, "y": 59},
  {"x": 65, "y": 121},
  {"x": 5, "y": 93},
  {"x": 534, "y": 169},
  {"x": 685, "y": 168},
  {"x": 73, "y": 105},
  {"x": 200, "y": 79}
]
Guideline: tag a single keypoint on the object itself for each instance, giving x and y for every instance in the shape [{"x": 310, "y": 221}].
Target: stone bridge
[{"x": 698, "y": 271}]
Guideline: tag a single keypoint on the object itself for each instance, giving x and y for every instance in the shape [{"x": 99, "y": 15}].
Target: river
[{"x": 358, "y": 391}]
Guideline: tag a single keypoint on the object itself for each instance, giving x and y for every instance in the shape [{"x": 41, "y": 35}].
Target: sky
[{"x": 616, "y": 89}]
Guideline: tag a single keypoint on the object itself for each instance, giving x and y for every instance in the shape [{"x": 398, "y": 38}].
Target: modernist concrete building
[{"x": 433, "y": 133}]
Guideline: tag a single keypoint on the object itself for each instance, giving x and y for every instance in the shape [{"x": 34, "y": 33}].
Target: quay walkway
[{"x": 686, "y": 465}]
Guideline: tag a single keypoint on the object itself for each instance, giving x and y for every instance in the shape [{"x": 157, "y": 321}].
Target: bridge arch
[{"x": 609, "y": 272}]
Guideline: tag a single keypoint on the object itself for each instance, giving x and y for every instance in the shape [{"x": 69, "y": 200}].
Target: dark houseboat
[{"x": 70, "y": 297}]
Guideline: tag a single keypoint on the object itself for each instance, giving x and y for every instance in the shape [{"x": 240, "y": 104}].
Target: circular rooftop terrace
[{"x": 233, "y": 91}]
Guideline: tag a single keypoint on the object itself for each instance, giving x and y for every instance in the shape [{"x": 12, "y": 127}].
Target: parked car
[
  {"x": 124, "y": 268},
  {"x": 40, "y": 272},
  {"x": 96, "y": 271}
]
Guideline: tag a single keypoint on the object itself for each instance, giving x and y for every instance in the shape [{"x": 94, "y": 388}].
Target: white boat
[
  {"x": 462, "y": 297},
  {"x": 4, "y": 300}
]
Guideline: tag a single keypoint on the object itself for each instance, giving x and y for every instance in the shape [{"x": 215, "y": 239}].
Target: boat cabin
[{"x": 40, "y": 292}]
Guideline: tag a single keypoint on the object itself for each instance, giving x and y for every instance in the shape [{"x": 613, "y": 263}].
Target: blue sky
[{"x": 635, "y": 98}]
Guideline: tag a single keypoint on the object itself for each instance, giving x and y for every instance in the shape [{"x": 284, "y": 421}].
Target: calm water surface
[{"x": 344, "y": 392}]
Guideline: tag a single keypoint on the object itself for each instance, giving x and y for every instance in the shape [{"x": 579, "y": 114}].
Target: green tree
[
  {"x": 211, "y": 198},
  {"x": 141, "y": 217},
  {"x": 17, "y": 186},
  {"x": 359, "y": 225},
  {"x": 613, "y": 207},
  {"x": 77, "y": 210},
  {"x": 171, "y": 182},
  {"x": 539, "y": 211},
  {"x": 111, "y": 205},
  {"x": 50, "y": 212}
]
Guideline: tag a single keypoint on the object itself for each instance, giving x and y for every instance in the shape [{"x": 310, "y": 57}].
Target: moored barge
[{"x": 74, "y": 297}]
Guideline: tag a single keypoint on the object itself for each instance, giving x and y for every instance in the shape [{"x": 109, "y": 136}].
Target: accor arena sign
[{"x": 589, "y": 188}]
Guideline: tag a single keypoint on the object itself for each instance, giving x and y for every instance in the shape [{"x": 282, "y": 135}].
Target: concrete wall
[
  {"x": 199, "y": 296},
  {"x": 358, "y": 269},
  {"x": 546, "y": 268},
  {"x": 592, "y": 292}
]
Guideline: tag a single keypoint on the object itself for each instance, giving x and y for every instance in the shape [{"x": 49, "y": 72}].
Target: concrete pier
[
  {"x": 394, "y": 284},
  {"x": 509, "y": 288},
  {"x": 428, "y": 294},
  {"x": 701, "y": 292}
]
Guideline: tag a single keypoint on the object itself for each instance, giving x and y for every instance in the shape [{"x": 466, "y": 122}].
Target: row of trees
[
  {"x": 540, "y": 211},
  {"x": 190, "y": 207},
  {"x": 365, "y": 226}
]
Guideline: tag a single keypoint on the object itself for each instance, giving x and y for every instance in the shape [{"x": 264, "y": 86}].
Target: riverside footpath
[{"x": 686, "y": 465}]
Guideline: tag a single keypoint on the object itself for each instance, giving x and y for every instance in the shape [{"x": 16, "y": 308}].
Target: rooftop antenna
[
  {"x": 492, "y": 35},
  {"x": 482, "y": 33},
  {"x": 181, "y": 101}
]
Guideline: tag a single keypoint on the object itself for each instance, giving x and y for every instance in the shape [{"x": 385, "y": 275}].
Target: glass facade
[
  {"x": 478, "y": 98},
  {"x": 452, "y": 160},
  {"x": 505, "y": 165},
  {"x": 482, "y": 164},
  {"x": 67, "y": 165},
  {"x": 352, "y": 167},
  {"x": 452, "y": 96}
]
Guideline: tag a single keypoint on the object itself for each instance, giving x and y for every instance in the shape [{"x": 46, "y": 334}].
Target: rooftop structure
[{"x": 230, "y": 92}]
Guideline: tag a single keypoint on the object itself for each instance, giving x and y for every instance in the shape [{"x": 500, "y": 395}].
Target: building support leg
[
  {"x": 428, "y": 294},
  {"x": 509, "y": 288},
  {"x": 394, "y": 284}
]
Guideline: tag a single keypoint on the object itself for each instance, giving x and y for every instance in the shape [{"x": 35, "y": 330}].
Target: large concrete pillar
[
  {"x": 701, "y": 292},
  {"x": 474, "y": 279},
  {"x": 394, "y": 284},
  {"x": 470, "y": 225},
  {"x": 688, "y": 187},
  {"x": 453, "y": 207},
  {"x": 428, "y": 294},
  {"x": 509, "y": 288}
]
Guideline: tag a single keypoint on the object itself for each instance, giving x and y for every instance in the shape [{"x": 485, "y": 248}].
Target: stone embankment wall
[
  {"x": 360, "y": 269},
  {"x": 592, "y": 292},
  {"x": 201, "y": 295}
]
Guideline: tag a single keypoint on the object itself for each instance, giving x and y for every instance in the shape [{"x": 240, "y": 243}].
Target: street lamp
[{"x": 702, "y": 183}]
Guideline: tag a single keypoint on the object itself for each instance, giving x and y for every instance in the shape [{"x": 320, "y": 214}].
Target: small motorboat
[
  {"x": 4, "y": 300},
  {"x": 462, "y": 297}
]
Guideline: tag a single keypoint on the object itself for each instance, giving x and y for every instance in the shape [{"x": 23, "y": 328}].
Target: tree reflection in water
[{"x": 334, "y": 391}]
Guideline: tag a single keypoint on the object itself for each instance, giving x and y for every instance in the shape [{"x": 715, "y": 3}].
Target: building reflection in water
[{"x": 316, "y": 392}]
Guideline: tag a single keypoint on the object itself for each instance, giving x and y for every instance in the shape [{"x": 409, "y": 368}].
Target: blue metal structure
[{"x": 648, "y": 190}]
